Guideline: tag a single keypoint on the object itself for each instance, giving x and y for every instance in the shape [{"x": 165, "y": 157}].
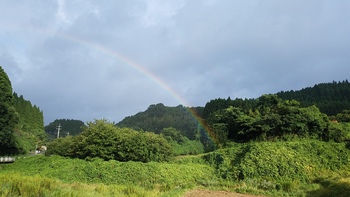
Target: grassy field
[{"x": 298, "y": 168}]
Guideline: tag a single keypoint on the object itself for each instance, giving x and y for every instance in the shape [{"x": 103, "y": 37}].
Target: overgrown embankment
[
  {"x": 113, "y": 172},
  {"x": 296, "y": 168},
  {"x": 282, "y": 166}
]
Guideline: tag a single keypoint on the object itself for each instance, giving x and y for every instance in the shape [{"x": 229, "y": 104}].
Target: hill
[
  {"x": 21, "y": 123},
  {"x": 157, "y": 117},
  {"x": 330, "y": 98},
  {"x": 68, "y": 127}
]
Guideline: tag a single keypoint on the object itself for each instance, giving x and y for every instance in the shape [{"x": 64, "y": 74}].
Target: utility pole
[{"x": 58, "y": 130}]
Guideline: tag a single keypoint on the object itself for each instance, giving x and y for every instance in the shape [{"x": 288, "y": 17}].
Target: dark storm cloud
[{"x": 110, "y": 59}]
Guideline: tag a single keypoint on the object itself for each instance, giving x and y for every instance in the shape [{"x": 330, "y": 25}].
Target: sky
[{"x": 86, "y": 60}]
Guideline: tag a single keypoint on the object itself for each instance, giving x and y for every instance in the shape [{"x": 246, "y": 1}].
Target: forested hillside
[
  {"x": 330, "y": 98},
  {"x": 68, "y": 127},
  {"x": 182, "y": 126},
  {"x": 31, "y": 118},
  {"x": 320, "y": 112},
  {"x": 157, "y": 117},
  {"x": 21, "y": 123},
  {"x": 8, "y": 117}
]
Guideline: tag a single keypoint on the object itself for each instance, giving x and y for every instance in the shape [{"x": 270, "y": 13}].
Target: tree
[
  {"x": 271, "y": 118},
  {"x": 172, "y": 134},
  {"x": 31, "y": 118},
  {"x": 8, "y": 117}
]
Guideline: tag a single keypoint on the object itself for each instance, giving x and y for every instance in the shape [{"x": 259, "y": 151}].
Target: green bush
[
  {"x": 278, "y": 161},
  {"x": 102, "y": 139}
]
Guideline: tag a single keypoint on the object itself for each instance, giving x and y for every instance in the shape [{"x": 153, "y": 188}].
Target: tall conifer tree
[{"x": 8, "y": 116}]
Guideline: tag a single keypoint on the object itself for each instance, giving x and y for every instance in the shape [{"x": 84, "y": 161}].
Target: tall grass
[
  {"x": 164, "y": 176},
  {"x": 294, "y": 168},
  {"x": 19, "y": 185}
]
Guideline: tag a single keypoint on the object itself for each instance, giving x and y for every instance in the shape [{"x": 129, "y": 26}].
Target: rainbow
[
  {"x": 133, "y": 64},
  {"x": 141, "y": 69}
]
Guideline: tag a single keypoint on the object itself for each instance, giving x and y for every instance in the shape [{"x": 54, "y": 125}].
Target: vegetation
[
  {"x": 21, "y": 123},
  {"x": 9, "y": 118},
  {"x": 68, "y": 127},
  {"x": 330, "y": 98},
  {"x": 283, "y": 144},
  {"x": 151, "y": 178},
  {"x": 19, "y": 185},
  {"x": 180, "y": 144},
  {"x": 31, "y": 118},
  {"x": 102, "y": 139},
  {"x": 295, "y": 168},
  {"x": 157, "y": 117},
  {"x": 271, "y": 118}
]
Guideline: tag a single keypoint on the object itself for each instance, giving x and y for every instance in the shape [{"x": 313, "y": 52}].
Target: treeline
[
  {"x": 273, "y": 118},
  {"x": 21, "y": 123},
  {"x": 330, "y": 98}
]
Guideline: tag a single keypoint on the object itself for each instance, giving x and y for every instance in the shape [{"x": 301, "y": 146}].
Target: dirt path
[{"x": 208, "y": 193}]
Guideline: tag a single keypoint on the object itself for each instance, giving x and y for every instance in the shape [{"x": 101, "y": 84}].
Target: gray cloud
[{"x": 111, "y": 59}]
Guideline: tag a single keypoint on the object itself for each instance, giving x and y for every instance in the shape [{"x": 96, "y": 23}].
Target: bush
[
  {"x": 101, "y": 139},
  {"x": 279, "y": 161}
]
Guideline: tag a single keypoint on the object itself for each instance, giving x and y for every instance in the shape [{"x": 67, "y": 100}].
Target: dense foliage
[
  {"x": 330, "y": 98},
  {"x": 102, "y": 139},
  {"x": 8, "y": 118},
  {"x": 180, "y": 144},
  {"x": 114, "y": 172},
  {"x": 301, "y": 167},
  {"x": 157, "y": 117},
  {"x": 220, "y": 104},
  {"x": 186, "y": 120},
  {"x": 271, "y": 118},
  {"x": 21, "y": 123},
  {"x": 302, "y": 160},
  {"x": 31, "y": 118},
  {"x": 68, "y": 127}
]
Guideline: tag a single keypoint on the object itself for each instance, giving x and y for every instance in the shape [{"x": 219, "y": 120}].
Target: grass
[
  {"x": 164, "y": 175},
  {"x": 20, "y": 185},
  {"x": 296, "y": 168}
]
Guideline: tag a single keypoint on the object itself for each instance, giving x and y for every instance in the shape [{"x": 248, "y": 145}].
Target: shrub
[{"x": 102, "y": 139}]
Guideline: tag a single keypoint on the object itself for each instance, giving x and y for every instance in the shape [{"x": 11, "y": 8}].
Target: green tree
[
  {"x": 343, "y": 116},
  {"x": 8, "y": 117},
  {"x": 172, "y": 134},
  {"x": 31, "y": 118},
  {"x": 271, "y": 118},
  {"x": 61, "y": 146}
]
